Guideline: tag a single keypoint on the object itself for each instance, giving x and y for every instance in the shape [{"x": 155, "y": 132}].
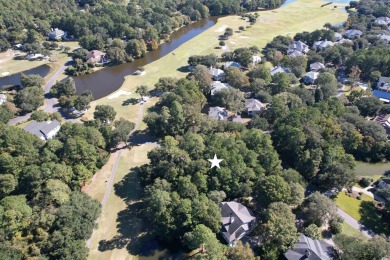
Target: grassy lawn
[
  {"x": 364, "y": 169},
  {"x": 351, "y": 205},
  {"x": 350, "y": 231},
  {"x": 374, "y": 177},
  {"x": 302, "y": 15},
  {"x": 118, "y": 225},
  {"x": 363, "y": 211}
]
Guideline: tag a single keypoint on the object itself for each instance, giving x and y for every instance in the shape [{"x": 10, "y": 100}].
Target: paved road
[
  {"x": 355, "y": 224},
  {"x": 117, "y": 156},
  {"x": 50, "y": 103}
]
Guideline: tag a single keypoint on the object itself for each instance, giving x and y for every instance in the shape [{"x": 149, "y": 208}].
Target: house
[
  {"x": 97, "y": 57},
  {"x": 346, "y": 41},
  {"x": 217, "y": 86},
  {"x": 231, "y": 64},
  {"x": 338, "y": 36},
  {"x": 382, "y": 95},
  {"x": 298, "y": 46},
  {"x": 320, "y": 45},
  {"x": 56, "y": 34},
  {"x": 18, "y": 46},
  {"x": 279, "y": 69},
  {"x": 384, "y": 84},
  {"x": 353, "y": 33},
  {"x": 384, "y": 183},
  {"x": 310, "y": 77},
  {"x": 362, "y": 86},
  {"x": 237, "y": 221},
  {"x": 295, "y": 53},
  {"x": 218, "y": 113},
  {"x": 33, "y": 56},
  {"x": 216, "y": 74},
  {"x": 254, "y": 106},
  {"x": 310, "y": 249},
  {"x": 316, "y": 66},
  {"x": 43, "y": 130},
  {"x": 256, "y": 59},
  {"x": 76, "y": 113},
  {"x": 382, "y": 20},
  {"x": 3, "y": 99},
  {"x": 384, "y": 37}
]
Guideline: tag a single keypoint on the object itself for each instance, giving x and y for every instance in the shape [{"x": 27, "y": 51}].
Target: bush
[
  {"x": 241, "y": 28},
  {"x": 40, "y": 116},
  {"x": 360, "y": 193},
  {"x": 335, "y": 227},
  {"x": 359, "y": 197},
  {"x": 365, "y": 182},
  {"x": 221, "y": 43},
  {"x": 312, "y": 231}
]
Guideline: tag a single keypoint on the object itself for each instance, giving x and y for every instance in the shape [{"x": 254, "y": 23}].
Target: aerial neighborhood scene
[{"x": 194, "y": 129}]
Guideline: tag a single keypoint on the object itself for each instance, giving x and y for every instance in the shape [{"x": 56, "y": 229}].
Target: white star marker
[{"x": 215, "y": 162}]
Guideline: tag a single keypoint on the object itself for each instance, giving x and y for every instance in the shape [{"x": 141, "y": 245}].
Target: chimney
[{"x": 231, "y": 218}]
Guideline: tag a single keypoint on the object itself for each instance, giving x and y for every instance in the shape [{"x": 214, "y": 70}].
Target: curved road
[{"x": 50, "y": 103}]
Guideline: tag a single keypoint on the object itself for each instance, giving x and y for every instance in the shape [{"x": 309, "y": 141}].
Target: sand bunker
[
  {"x": 244, "y": 37},
  {"x": 118, "y": 94},
  {"x": 221, "y": 29},
  {"x": 5, "y": 73},
  {"x": 233, "y": 43}
]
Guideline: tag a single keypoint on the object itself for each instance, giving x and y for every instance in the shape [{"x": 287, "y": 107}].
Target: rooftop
[{"x": 42, "y": 129}]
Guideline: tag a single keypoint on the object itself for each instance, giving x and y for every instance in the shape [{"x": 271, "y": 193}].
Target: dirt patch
[{"x": 221, "y": 29}]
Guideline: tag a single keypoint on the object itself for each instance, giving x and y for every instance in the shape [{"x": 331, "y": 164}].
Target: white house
[
  {"x": 56, "y": 34},
  {"x": 298, "y": 46},
  {"x": 279, "y": 69},
  {"x": 44, "y": 130},
  {"x": 320, "y": 45},
  {"x": 353, "y": 33},
  {"x": 382, "y": 20},
  {"x": 384, "y": 84},
  {"x": 3, "y": 99},
  {"x": 254, "y": 106},
  {"x": 316, "y": 66},
  {"x": 216, "y": 74},
  {"x": 218, "y": 113},
  {"x": 338, "y": 36},
  {"x": 384, "y": 37},
  {"x": 310, "y": 77},
  {"x": 217, "y": 86},
  {"x": 256, "y": 59},
  {"x": 237, "y": 221}
]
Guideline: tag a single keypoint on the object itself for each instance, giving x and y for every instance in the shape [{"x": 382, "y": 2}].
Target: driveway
[{"x": 355, "y": 224}]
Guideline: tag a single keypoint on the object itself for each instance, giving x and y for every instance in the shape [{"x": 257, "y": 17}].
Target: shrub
[
  {"x": 359, "y": 197},
  {"x": 360, "y": 193},
  {"x": 312, "y": 231},
  {"x": 241, "y": 28},
  {"x": 335, "y": 227},
  {"x": 221, "y": 43},
  {"x": 364, "y": 182}
]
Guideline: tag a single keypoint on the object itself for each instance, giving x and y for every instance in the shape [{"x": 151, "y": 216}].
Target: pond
[
  {"x": 371, "y": 169},
  {"x": 14, "y": 79},
  {"x": 103, "y": 82}
]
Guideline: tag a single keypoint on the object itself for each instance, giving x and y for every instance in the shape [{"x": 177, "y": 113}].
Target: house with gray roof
[
  {"x": 237, "y": 221},
  {"x": 384, "y": 183},
  {"x": 43, "y": 130},
  {"x": 316, "y": 66},
  {"x": 298, "y": 46},
  {"x": 310, "y": 77},
  {"x": 353, "y": 33},
  {"x": 217, "y": 86},
  {"x": 384, "y": 84},
  {"x": 338, "y": 36},
  {"x": 279, "y": 69},
  {"x": 295, "y": 53},
  {"x": 384, "y": 37},
  {"x": 216, "y": 74},
  {"x": 56, "y": 34},
  {"x": 254, "y": 106},
  {"x": 218, "y": 113},
  {"x": 309, "y": 249},
  {"x": 231, "y": 64},
  {"x": 320, "y": 45},
  {"x": 382, "y": 20}
]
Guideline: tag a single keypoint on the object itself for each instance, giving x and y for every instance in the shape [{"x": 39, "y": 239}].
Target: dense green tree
[
  {"x": 236, "y": 78},
  {"x": 15, "y": 214},
  {"x": 279, "y": 229},
  {"x": 5, "y": 114},
  {"x": 312, "y": 231},
  {"x": 368, "y": 106},
  {"x": 202, "y": 76},
  {"x": 8, "y": 184},
  {"x": 104, "y": 113},
  {"x": 32, "y": 80},
  {"x": 117, "y": 55},
  {"x": 231, "y": 98},
  {"x": 273, "y": 189},
  {"x": 241, "y": 251},
  {"x": 29, "y": 99},
  {"x": 64, "y": 88},
  {"x": 318, "y": 209},
  {"x": 142, "y": 90},
  {"x": 121, "y": 132},
  {"x": 327, "y": 82}
]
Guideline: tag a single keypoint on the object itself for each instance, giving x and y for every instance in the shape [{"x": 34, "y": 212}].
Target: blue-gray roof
[{"x": 381, "y": 94}]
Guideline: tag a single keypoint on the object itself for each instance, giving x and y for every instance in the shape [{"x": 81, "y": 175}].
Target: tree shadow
[
  {"x": 373, "y": 219},
  {"x": 130, "y": 101},
  {"x": 141, "y": 137},
  {"x": 184, "y": 69}
]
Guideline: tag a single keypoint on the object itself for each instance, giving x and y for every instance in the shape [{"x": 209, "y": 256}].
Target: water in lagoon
[
  {"x": 103, "y": 82},
  {"x": 14, "y": 79}
]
